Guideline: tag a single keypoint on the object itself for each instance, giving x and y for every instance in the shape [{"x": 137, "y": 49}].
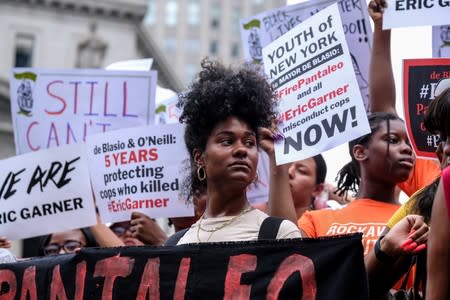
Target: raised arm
[
  {"x": 381, "y": 77},
  {"x": 280, "y": 201},
  {"x": 104, "y": 236},
  {"x": 391, "y": 256},
  {"x": 438, "y": 259}
]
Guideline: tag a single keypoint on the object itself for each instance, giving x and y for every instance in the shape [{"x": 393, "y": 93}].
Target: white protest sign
[
  {"x": 441, "y": 40},
  {"x": 56, "y": 107},
  {"x": 139, "y": 169},
  {"x": 312, "y": 73},
  {"x": 45, "y": 192},
  {"x": 404, "y": 13},
  {"x": 167, "y": 111},
  {"x": 260, "y": 30}
]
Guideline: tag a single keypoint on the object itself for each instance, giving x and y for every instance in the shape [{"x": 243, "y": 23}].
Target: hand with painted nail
[
  {"x": 270, "y": 136},
  {"x": 407, "y": 237}
]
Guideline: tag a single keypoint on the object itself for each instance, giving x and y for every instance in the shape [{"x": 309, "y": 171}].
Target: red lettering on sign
[
  {"x": 8, "y": 277},
  {"x": 291, "y": 264},
  {"x": 111, "y": 268},
  {"x": 183, "y": 270},
  {"x": 150, "y": 280},
  {"x": 57, "y": 290},
  {"x": 29, "y": 284},
  {"x": 80, "y": 281},
  {"x": 237, "y": 265}
]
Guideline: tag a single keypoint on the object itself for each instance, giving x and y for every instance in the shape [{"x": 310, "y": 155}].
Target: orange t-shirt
[
  {"x": 362, "y": 215},
  {"x": 425, "y": 171}
]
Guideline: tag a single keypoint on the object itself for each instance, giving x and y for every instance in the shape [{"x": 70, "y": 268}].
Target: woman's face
[
  {"x": 65, "y": 242},
  {"x": 443, "y": 151},
  {"x": 395, "y": 165},
  {"x": 122, "y": 230},
  {"x": 302, "y": 179},
  {"x": 231, "y": 153}
]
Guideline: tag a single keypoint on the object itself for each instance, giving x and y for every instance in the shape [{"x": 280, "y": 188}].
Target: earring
[{"x": 201, "y": 173}]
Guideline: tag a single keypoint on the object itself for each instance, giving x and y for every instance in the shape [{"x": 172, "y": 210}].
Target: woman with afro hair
[{"x": 227, "y": 113}]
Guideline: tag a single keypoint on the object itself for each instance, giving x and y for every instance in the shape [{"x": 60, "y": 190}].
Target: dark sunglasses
[{"x": 68, "y": 246}]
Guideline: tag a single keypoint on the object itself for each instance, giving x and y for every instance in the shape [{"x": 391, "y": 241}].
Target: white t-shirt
[{"x": 242, "y": 228}]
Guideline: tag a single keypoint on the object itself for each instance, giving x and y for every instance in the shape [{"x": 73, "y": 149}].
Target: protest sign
[
  {"x": 145, "y": 64},
  {"x": 139, "y": 169},
  {"x": 260, "y": 30},
  {"x": 404, "y": 13},
  {"x": 55, "y": 107},
  {"x": 326, "y": 268},
  {"x": 167, "y": 111},
  {"x": 421, "y": 77},
  {"x": 45, "y": 192},
  {"x": 311, "y": 71},
  {"x": 440, "y": 36}
]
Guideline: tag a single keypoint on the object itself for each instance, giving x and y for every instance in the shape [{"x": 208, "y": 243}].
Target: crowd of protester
[{"x": 230, "y": 114}]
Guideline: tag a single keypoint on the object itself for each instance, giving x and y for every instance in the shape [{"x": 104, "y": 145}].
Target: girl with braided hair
[{"x": 380, "y": 160}]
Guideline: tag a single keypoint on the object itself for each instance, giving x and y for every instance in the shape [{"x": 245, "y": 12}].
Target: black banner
[
  {"x": 325, "y": 268},
  {"x": 421, "y": 76}
]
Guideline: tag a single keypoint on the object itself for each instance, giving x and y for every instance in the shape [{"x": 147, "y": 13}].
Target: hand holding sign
[{"x": 320, "y": 103}]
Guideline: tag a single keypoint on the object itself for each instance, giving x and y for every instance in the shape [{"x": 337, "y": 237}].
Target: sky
[{"x": 412, "y": 42}]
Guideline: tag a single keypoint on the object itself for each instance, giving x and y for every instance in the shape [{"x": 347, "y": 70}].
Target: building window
[
  {"x": 171, "y": 12},
  {"x": 191, "y": 71},
  {"x": 215, "y": 15},
  {"x": 170, "y": 44},
  {"x": 193, "y": 17},
  {"x": 192, "y": 45},
  {"x": 235, "y": 50},
  {"x": 150, "y": 18},
  {"x": 213, "y": 47},
  {"x": 24, "y": 50},
  {"x": 235, "y": 18}
]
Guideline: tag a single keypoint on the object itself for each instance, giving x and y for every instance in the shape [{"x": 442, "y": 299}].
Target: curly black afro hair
[{"x": 218, "y": 93}]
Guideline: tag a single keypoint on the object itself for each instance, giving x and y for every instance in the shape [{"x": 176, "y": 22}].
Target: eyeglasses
[
  {"x": 119, "y": 230},
  {"x": 68, "y": 246}
]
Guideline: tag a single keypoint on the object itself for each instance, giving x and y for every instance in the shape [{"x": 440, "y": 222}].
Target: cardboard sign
[
  {"x": 421, "y": 77},
  {"x": 440, "y": 36},
  {"x": 312, "y": 73},
  {"x": 260, "y": 30},
  {"x": 139, "y": 169},
  {"x": 404, "y": 13},
  {"x": 322, "y": 269},
  {"x": 45, "y": 192},
  {"x": 56, "y": 107}
]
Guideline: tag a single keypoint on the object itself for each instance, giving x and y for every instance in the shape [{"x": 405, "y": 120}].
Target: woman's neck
[
  {"x": 223, "y": 202},
  {"x": 377, "y": 191},
  {"x": 300, "y": 210}
]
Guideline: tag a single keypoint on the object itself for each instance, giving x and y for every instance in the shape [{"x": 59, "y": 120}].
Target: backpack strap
[
  {"x": 268, "y": 231},
  {"x": 174, "y": 238},
  {"x": 269, "y": 228}
]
